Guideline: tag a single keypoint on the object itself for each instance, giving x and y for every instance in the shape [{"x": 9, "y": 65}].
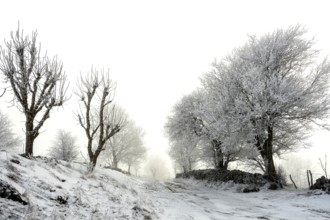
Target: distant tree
[
  {"x": 157, "y": 166},
  {"x": 113, "y": 149},
  {"x": 64, "y": 146},
  {"x": 127, "y": 146},
  {"x": 137, "y": 152},
  {"x": 271, "y": 90},
  {"x": 97, "y": 116},
  {"x": 195, "y": 131},
  {"x": 8, "y": 140},
  {"x": 185, "y": 154},
  {"x": 37, "y": 82},
  {"x": 184, "y": 129}
]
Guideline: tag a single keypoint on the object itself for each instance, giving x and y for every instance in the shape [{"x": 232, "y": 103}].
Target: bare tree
[
  {"x": 8, "y": 140},
  {"x": 37, "y": 82},
  {"x": 96, "y": 115},
  {"x": 64, "y": 146}
]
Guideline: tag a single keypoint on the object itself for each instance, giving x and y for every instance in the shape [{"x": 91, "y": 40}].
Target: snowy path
[{"x": 184, "y": 201}]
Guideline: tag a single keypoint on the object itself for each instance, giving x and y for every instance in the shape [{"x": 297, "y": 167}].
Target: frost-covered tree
[
  {"x": 126, "y": 147},
  {"x": 157, "y": 166},
  {"x": 273, "y": 89},
  {"x": 8, "y": 140},
  {"x": 184, "y": 130},
  {"x": 222, "y": 136},
  {"x": 37, "y": 82},
  {"x": 137, "y": 152},
  {"x": 97, "y": 115},
  {"x": 196, "y": 134},
  {"x": 185, "y": 154},
  {"x": 64, "y": 146}
]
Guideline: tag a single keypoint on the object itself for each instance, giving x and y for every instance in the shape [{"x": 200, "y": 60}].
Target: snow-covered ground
[{"x": 107, "y": 194}]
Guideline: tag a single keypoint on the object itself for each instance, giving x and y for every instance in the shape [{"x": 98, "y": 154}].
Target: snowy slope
[{"x": 58, "y": 190}]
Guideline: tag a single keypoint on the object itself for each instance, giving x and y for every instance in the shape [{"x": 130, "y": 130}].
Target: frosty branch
[
  {"x": 37, "y": 82},
  {"x": 97, "y": 116}
]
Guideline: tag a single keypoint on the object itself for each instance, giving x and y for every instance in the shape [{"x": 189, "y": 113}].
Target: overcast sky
[{"x": 155, "y": 50}]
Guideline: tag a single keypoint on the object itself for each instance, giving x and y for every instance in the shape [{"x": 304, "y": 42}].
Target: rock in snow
[{"x": 322, "y": 183}]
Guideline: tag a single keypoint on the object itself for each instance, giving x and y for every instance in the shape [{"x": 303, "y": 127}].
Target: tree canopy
[{"x": 263, "y": 97}]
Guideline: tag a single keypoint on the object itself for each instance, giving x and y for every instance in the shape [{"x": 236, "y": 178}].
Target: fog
[{"x": 156, "y": 53}]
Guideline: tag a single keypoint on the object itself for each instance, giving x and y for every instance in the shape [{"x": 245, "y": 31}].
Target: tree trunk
[
  {"x": 96, "y": 156},
  {"x": 91, "y": 156},
  {"x": 267, "y": 155},
  {"x": 89, "y": 149},
  {"x": 266, "y": 152},
  {"x": 219, "y": 162},
  {"x": 114, "y": 158},
  {"x": 129, "y": 169},
  {"x": 184, "y": 169},
  {"x": 93, "y": 161},
  {"x": 115, "y": 164},
  {"x": 189, "y": 165},
  {"x": 225, "y": 165},
  {"x": 270, "y": 169},
  {"x": 29, "y": 136},
  {"x": 215, "y": 159}
]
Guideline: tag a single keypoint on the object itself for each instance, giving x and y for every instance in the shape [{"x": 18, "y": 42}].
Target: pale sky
[{"x": 155, "y": 50}]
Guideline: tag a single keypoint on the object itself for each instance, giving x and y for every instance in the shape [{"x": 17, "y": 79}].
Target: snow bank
[{"x": 59, "y": 190}]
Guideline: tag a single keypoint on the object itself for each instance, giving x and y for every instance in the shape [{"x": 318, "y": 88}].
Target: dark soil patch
[{"x": 9, "y": 192}]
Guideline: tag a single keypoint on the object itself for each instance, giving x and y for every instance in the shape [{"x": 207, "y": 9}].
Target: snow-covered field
[{"x": 58, "y": 190}]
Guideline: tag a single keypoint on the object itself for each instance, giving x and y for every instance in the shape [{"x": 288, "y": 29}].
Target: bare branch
[
  {"x": 95, "y": 92},
  {"x": 38, "y": 83}
]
